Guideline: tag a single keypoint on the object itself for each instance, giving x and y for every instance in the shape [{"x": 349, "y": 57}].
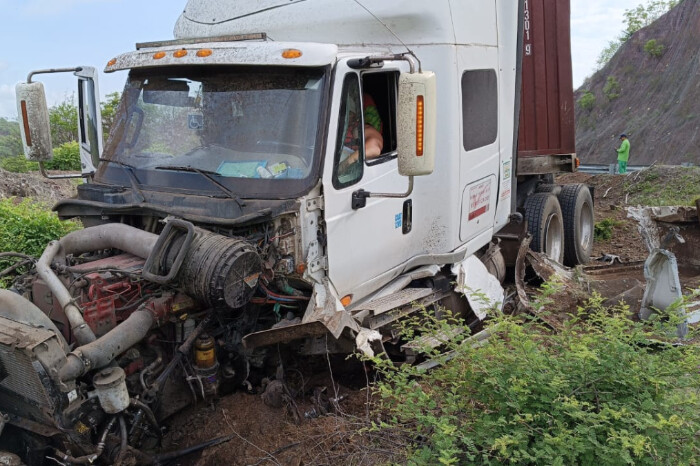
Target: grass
[{"x": 656, "y": 187}]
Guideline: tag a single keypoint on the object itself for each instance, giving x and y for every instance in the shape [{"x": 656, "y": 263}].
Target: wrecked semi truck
[{"x": 233, "y": 208}]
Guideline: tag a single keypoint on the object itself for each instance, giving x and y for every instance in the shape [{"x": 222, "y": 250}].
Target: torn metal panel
[
  {"x": 546, "y": 268},
  {"x": 649, "y": 218},
  {"x": 663, "y": 287},
  {"x": 483, "y": 291},
  {"x": 646, "y": 225},
  {"x": 524, "y": 301},
  {"x": 325, "y": 307}
]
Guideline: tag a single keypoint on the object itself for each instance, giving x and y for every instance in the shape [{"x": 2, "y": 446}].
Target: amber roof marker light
[{"x": 291, "y": 53}]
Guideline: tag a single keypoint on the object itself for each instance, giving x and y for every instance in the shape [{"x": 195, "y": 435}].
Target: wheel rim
[
  {"x": 553, "y": 238},
  {"x": 586, "y": 226}
]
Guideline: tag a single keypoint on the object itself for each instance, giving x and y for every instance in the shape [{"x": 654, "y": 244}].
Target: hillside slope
[{"x": 654, "y": 99}]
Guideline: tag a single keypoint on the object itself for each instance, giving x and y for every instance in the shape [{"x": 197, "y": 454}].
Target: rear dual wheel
[
  {"x": 577, "y": 208},
  {"x": 545, "y": 223}
]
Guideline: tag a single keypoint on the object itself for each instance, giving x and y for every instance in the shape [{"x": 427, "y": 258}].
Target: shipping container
[{"x": 547, "y": 106}]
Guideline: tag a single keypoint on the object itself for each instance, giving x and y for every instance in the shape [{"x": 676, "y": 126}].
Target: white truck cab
[{"x": 252, "y": 123}]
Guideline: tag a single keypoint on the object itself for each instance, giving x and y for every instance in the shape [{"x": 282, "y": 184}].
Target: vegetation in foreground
[
  {"x": 26, "y": 227},
  {"x": 603, "y": 389}
]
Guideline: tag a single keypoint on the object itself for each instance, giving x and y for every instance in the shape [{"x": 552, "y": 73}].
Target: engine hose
[
  {"x": 124, "y": 439},
  {"x": 112, "y": 235},
  {"x": 151, "y": 367},
  {"x": 149, "y": 415},
  {"x": 101, "y": 352},
  {"x": 89, "y": 459},
  {"x": 280, "y": 297},
  {"x": 282, "y": 284}
]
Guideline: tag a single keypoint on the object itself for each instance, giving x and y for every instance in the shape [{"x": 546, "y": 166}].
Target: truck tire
[
  {"x": 577, "y": 209},
  {"x": 545, "y": 224}
]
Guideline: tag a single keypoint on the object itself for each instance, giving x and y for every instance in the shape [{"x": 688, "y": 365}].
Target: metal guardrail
[{"x": 600, "y": 168}]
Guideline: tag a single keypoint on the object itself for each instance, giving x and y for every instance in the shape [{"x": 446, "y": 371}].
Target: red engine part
[{"x": 107, "y": 298}]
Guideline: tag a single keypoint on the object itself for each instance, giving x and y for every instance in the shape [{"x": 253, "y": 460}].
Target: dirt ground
[
  {"x": 35, "y": 186},
  {"x": 261, "y": 434}
]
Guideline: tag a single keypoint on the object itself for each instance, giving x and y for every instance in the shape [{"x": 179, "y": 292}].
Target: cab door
[{"x": 364, "y": 243}]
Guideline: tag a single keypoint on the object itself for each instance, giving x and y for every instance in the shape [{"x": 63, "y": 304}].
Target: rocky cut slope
[{"x": 650, "y": 90}]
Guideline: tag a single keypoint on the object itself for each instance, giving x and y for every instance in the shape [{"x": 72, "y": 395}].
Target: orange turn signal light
[
  {"x": 301, "y": 268},
  {"x": 346, "y": 300},
  {"x": 158, "y": 55},
  {"x": 291, "y": 53},
  {"x": 577, "y": 162},
  {"x": 25, "y": 121},
  {"x": 420, "y": 124},
  {"x": 180, "y": 53},
  {"x": 204, "y": 53},
  {"x": 112, "y": 62}
]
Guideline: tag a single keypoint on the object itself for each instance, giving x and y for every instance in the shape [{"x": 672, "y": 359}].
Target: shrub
[
  {"x": 65, "y": 157},
  {"x": 601, "y": 390},
  {"x": 603, "y": 230},
  {"x": 587, "y": 100},
  {"x": 18, "y": 164},
  {"x": 612, "y": 88},
  {"x": 27, "y": 227},
  {"x": 653, "y": 48}
]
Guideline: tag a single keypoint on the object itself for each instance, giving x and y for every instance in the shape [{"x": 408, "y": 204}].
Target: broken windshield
[{"x": 239, "y": 124}]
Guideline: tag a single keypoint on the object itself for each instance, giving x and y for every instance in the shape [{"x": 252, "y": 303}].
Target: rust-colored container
[{"x": 547, "y": 105}]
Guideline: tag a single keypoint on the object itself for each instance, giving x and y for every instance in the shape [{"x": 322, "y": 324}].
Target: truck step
[
  {"x": 392, "y": 301},
  {"x": 428, "y": 342},
  {"x": 383, "y": 311}
]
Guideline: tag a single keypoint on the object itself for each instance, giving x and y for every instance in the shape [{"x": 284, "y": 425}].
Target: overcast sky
[{"x": 39, "y": 34}]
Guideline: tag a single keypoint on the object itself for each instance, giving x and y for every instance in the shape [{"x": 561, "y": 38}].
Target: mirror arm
[
  {"x": 378, "y": 61},
  {"x": 45, "y": 174},
  {"x": 359, "y": 197},
  {"x": 53, "y": 70}
]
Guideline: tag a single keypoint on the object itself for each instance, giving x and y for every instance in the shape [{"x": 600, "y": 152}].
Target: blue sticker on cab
[{"x": 398, "y": 220}]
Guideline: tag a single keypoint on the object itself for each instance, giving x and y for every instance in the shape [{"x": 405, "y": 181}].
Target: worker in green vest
[{"x": 623, "y": 154}]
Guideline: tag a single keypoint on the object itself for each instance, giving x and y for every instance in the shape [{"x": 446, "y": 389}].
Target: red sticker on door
[{"x": 479, "y": 199}]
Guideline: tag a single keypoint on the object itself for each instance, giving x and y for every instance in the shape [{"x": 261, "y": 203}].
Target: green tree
[
  {"x": 644, "y": 15},
  {"x": 587, "y": 100},
  {"x": 109, "y": 110},
  {"x": 635, "y": 19},
  {"x": 612, "y": 88},
  {"x": 653, "y": 48},
  {"x": 64, "y": 121},
  {"x": 10, "y": 138},
  {"x": 608, "y": 52}
]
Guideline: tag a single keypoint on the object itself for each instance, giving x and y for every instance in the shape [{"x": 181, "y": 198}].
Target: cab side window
[
  {"x": 350, "y": 149},
  {"x": 379, "y": 92}
]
